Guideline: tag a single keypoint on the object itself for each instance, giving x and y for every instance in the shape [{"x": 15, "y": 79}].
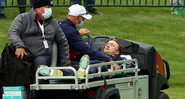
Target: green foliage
[{"x": 154, "y": 26}]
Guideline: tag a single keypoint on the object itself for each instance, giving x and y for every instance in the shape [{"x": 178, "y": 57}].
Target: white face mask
[{"x": 47, "y": 13}]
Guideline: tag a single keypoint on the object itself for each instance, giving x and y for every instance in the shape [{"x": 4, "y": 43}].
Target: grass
[{"x": 154, "y": 26}]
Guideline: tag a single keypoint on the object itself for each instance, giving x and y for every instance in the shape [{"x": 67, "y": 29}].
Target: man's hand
[
  {"x": 20, "y": 52},
  {"x": 83, "y": 31},
  {"x": 110, "y": 74},
  {"x": 116, "y": 66}
]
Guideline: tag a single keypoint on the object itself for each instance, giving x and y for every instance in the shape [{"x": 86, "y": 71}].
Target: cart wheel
[
  {"x": 163, "y": 95},
  {"x": 110, "y": 93},
  {"x": 115, "y": 96}
]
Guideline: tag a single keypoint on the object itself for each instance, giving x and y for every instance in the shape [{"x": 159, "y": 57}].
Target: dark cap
[{"x": 40, "y": 3}]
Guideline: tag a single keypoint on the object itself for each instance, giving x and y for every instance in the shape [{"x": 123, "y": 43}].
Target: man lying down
[{"x": 112, "y": 48}]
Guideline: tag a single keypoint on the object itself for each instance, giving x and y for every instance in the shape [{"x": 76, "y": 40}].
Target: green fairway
[{"x": 154, "y": 26}]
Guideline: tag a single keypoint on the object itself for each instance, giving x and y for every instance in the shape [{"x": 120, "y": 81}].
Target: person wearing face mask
[
  {"x": 75, "y": 19},
  {"x": 36, "y": 30}
]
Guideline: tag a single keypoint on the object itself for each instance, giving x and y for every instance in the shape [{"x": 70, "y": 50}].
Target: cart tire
[
  {"x": 110, "y": 93},
  {"x": 163, "y": 95}
]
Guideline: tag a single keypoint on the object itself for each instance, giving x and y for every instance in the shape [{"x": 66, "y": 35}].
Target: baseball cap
[
  {"x": 40, "y": 3},
  {"x": 78, "y": 10}
]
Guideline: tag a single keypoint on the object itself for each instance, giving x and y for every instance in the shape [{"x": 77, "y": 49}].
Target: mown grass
[{"x": 154, "y": 26}]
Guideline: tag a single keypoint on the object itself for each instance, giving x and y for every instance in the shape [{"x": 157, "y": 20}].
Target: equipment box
[{"x": 14, "y": 92}]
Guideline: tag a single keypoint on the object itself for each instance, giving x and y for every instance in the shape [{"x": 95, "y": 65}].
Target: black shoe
[
  {"x": 2, "y": 16},
  {"x": 95, "y": 11}
]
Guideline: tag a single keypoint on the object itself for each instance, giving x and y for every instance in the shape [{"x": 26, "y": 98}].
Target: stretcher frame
[{"x": 84, "y": 82}]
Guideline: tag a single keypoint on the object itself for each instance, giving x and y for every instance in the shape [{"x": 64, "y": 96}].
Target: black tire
[
  {"x": 110, "y": 93},
  {"x": 163, "y": 95},
  {"x": 115, "y": 96}
]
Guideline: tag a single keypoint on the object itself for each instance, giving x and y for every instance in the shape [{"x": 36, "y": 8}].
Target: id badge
[{"x": 45, "y": 44}]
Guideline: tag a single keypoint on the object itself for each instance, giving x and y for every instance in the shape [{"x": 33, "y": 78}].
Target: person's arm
[
  {"x": 14, "y": 36},
  {"x": 76, "y": 42},
  {"x": 15, "y": 32}
]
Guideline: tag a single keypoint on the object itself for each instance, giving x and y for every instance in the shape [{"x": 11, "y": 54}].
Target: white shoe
[{"x": 84, "y": 62}]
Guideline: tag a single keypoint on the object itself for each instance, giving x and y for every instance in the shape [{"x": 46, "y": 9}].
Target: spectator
[
  {"x": 2, "y": 8},
  {"x": 37, "y": 30},
  {"x": 177, "y": 10},
  {"x": 22, "y": 5},
  {"x": 89, "y": 5},
  {"x": 75, "y": 19}
]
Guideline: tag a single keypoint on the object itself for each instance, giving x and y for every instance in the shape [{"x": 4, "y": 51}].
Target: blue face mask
[
  {"x": 81, "y": 24},
  {"x": 47, "y": 13}
]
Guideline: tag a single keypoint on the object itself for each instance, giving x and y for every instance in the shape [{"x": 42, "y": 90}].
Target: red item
[
  {"x": 90, "y": 93},
  {"x": 73, "y": 54}
]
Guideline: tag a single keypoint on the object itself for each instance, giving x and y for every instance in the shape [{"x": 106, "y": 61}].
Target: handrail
[
  {"x": 88, "y": 76},
  {"x": 112, "y": 71},
  {"x": 57, "y": 77}
]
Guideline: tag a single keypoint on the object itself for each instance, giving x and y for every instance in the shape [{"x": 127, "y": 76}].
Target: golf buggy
[{"x": 145, "y": 79}]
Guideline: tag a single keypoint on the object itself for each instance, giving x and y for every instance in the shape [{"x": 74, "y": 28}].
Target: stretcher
[{"x": 126, "y": 80}]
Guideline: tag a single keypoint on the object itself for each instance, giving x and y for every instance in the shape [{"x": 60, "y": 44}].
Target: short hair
[{"x": 120, "y": 46}]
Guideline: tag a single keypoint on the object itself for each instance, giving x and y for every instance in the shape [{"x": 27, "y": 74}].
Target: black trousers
[{"x": 22, "y": 5}]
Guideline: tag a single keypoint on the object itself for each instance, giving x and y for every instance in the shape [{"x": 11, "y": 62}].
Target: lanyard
[{"x": 42, "y": 29}]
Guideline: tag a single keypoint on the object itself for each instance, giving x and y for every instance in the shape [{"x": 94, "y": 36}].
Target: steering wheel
[{"x": 89, "y": 39}]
